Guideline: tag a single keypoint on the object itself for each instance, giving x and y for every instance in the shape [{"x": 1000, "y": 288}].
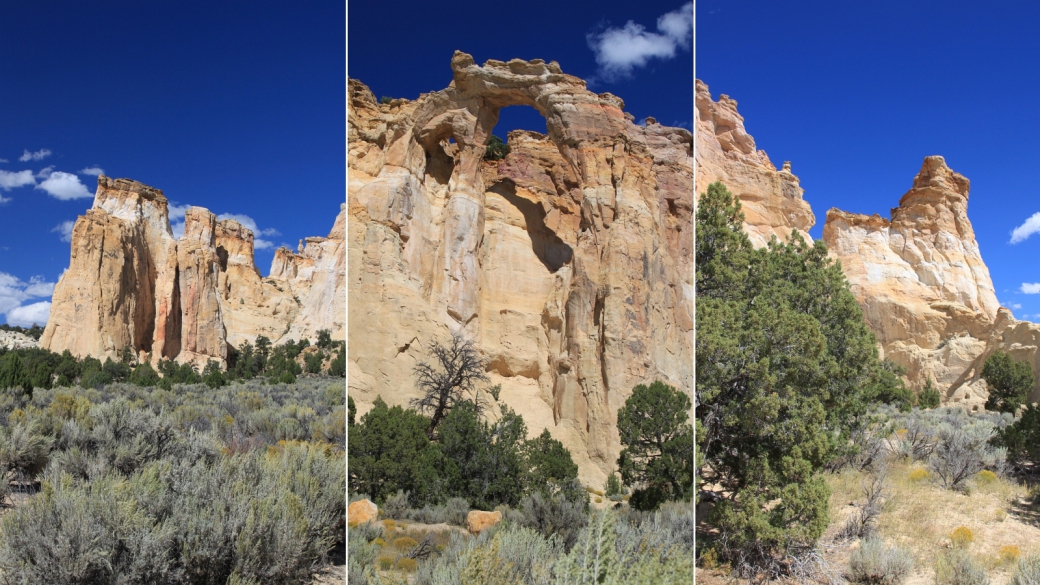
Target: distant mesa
[{"x": 130, "y": 283}]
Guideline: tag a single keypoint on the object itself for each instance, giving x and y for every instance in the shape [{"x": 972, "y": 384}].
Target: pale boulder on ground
[
  {"x": 362, "y": 511},
  {"x": 478, "y": 521},
  {"x": 569, "y": 262}
]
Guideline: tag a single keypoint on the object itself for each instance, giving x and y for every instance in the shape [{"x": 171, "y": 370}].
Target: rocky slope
[
  {"x": 771, "y": 199},
  {"x": 569, "y": 262},
  {"x": 919, "y": 275},
  {"x": 130, "y": 283}
]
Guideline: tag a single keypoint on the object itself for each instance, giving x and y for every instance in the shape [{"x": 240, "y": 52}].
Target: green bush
[
  {"x": 1027, "y": 571},
  {"x": 1009, "y": 382},
  {"x": 658, "y": 440},
  {"x": 555, "y": 515},
  {"x": 929, "y": 397},
  {"x": 496, "y": 149}
]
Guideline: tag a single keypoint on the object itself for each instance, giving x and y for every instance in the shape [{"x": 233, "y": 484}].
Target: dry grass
[{"x": 920, "y": 517}]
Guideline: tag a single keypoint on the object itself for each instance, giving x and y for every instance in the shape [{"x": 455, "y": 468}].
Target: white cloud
[
  {"x": 64, "y": 186},
  {"x": 1029, "y": 227},
  {"x": 259, "y": 244},
  {"x": 620, "y": 50},
  {"x": 3, "y": 160},
  {"x": 14, "y": 292},
  {"x": 1030, "y": 288},
  {"x": 65, "y": 229},
  {"x": 1011, "y": 305},
  {"x": 45, "y": 172},
  {"x": 9, "y": 180},
  {"x": 178, "y": 229},
  {"x": 29, "y": 315},
  {"x": 177, "y": 211},
  {"x": 93, "y": 171},
  {"x": 38, "y": 155}
]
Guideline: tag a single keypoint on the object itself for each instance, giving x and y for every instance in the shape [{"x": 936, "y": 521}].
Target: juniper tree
[
  {"x": 658, "y": 439},
  {"x": 1009, "y": 382},
  {"x": 786, "y": 368}
]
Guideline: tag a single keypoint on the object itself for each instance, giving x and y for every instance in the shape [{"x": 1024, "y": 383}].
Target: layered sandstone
[
  {"x": 569, "y": 262},
  {"x": 771, "y": 199},
  {"x": 131, "y": 284},
  {"x": 924, "y": 288},
  {"x": 316, "y": 275}
]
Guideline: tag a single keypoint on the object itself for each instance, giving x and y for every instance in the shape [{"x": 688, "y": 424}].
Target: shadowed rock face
[
  {"x": 569, "y": 262},
  {"x": 130, "y": 283}
]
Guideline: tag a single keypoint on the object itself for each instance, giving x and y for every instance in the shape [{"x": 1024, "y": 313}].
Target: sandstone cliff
[
  {"x": 924, "y": 287},
  {"x": 772, "y": 200},
  {"x": 130, "y": 283},
  {"x": 569, "y": 262}
]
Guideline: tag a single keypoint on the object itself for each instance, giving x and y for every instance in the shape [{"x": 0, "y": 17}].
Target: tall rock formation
[
  {"x": 771, "y": 199},
  {"x": 569, "y": 262},
  {"x": 131, "y": 284},
  {"x": 120, "y": 288},
  {"x": 923, "y": 285}
]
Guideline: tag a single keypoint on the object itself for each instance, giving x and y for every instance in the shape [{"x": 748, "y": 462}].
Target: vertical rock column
[{"x": 203, "y": 336}]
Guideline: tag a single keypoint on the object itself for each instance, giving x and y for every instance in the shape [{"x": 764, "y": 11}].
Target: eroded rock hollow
[
  {"x": 569, "y": 262},
  {"x": 130, "y": 283}
]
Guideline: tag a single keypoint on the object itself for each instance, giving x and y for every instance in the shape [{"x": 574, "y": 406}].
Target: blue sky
[
  {"x": 236, "y": 107},
  {"x": 402, "y": 49},
  {"x": 857, "y": 94}
]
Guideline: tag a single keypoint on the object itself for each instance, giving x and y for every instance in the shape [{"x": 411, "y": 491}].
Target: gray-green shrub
[
  {"x": 875, "y": 563},
  {"x": 956, "y": 567}
]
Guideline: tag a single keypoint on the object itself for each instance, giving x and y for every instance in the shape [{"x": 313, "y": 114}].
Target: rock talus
[
  {"x": 569, "y": 262},
  {"x": 130, "y": 283}
]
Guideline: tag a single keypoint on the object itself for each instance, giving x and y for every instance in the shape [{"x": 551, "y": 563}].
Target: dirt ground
[{"x": 919, "y": 516}]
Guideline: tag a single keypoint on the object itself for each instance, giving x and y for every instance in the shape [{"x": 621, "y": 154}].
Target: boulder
[
  {"x": 362, "y": 511},
  {"x": 478, "y": 521}
]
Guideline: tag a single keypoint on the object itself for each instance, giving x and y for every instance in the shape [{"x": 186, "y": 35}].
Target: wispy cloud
[
  {"x": 93, "y": 171},
  {"x": 65, "y": 230},
  {"x": 621, "y": 50},
  {"x": 9, "y": 180},
  {"x": 45, "y": 172},
  {"x": 1011, "y": 305},
  {"x": 64, "y": 186},
  {"x": 38, "y": 155},
  {"x": 1029, "y": 227},
  {"x": 1030, "y": 288}
]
